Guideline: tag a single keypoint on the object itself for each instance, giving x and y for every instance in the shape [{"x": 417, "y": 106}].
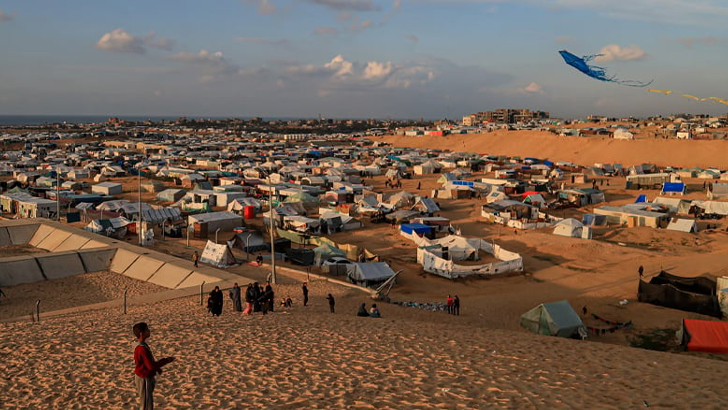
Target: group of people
[
  {"x": 373, "y": 312},
  {"x": 258, "y": 298},
  {"x": 453, "y": 305}
]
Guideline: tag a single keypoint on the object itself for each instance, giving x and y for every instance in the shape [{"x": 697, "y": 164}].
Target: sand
[
  {"x": 579, "y": 150},
  {"x": 411, "y": 358},
  {"x": 309, "y": 358}
]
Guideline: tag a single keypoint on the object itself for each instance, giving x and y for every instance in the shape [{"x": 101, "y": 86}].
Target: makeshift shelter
[
  {"x": 554, "y": 319},
  {"x": 107, "y": 188},
  {"x": 704, "y": 336},
  {"x": 250, "y": 242},
  {"x": 683, "y": 225},
  {"x": 325, "y": 251},
  {"x": 673, "y": 188},
  {"x": 218, "y": 255},
  {"x": 572, "y": 228},
  {"x": 696, "y": 294},
  {"x": 114, "y": 227},
  {"x": 153, "y": 186},
  {"x": 368, "y": 274},
  {"x": 171, "y": 195}
]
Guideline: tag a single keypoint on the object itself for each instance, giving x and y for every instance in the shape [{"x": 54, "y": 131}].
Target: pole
[
  {"x": 201, "y": 287},
  {"x": 37, "y": 309},
  {"x": 125, "y": 290},
  {"x": 163, "y": 228},
  {"x": 272, "y": 240},
  {"x": 218, "y": 230},
  {"x": 247, "y": 247},
  {"x": 58, "y": 195},
  {"x": 139, "y": 226}
]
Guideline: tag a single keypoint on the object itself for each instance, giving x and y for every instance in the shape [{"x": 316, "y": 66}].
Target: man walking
[{"x": 196, "y": 258}]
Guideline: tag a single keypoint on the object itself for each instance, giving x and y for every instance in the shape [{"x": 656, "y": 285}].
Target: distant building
[{"x": 506, "y": 116}]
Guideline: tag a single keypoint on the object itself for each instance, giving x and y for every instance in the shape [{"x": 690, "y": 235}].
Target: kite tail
[{"x": 632, "y": 83}]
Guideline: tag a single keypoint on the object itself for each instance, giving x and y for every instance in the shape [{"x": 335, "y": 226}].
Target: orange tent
[{"x": 705, "y": 336}]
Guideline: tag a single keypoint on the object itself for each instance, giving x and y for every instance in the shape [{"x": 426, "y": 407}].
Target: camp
[{"x": 554, "y": 319}]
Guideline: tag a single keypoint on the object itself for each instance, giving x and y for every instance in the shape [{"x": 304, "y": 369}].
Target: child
[
  {"x": 145, "y": 367},
  {"x": 374, "y": 312}
]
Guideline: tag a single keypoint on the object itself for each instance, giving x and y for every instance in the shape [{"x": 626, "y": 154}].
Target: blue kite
[{"x": 599, "y": 73}]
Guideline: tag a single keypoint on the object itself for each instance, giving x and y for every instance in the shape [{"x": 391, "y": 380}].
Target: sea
[{"x": 6, "y": 120}]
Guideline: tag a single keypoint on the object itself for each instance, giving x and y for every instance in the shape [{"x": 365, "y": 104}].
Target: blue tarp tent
[
  {"x": 418, "y": 228},
  {"x": 641, "y": 198},
  {"x": 673, "y": 188}
]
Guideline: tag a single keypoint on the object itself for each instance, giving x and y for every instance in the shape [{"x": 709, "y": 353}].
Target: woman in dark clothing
[
  {"x": 270, "y": 296},
  {"x": 216, "y": 301},
  {"x": 456, "y": 306},
  {"x": 256, "y": 297},
  {"x": 235, "y": 297},
  {"x": 249, "y": 300},
  {"x": 362, "y": 310}
]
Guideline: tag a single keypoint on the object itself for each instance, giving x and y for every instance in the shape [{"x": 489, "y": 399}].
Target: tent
[
  {"x": 114, "y": 227},
  {"x": 572, "y": 228},
  {"x": 416, "y": 228},
  {"x": 704, "y": 336},
  {"x": 325, "y": 251},
  {"x": 683, "y": 225},
  {"x": 218, "y": 255},
  {"x": 250, "y": 241},
  {"x": 368, "y": 274},
  {"x": 673, "y": 188},
  {"x": 695, "y": 294},
  {"x": 554, "y": 319}
]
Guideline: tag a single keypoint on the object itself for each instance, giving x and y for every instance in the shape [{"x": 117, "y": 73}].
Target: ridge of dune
[
  {"x": 309, "y": 358},
  {"x": 579, "y": 150}
]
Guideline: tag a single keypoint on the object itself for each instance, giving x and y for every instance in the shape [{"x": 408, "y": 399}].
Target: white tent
[
  {"x": 572, "y": 228},
  {"x": 218, "y": 255},
  {"x": 683, "y": 225}
]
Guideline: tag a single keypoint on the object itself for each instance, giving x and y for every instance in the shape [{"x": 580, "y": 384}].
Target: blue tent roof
[{"x": 416, "y": 227}]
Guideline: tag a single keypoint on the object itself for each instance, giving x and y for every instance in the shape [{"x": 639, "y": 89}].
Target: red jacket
[{"x": 144, "y": 364}]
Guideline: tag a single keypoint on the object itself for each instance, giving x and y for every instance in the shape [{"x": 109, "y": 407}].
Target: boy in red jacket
[{"x": 145, "y": 367}]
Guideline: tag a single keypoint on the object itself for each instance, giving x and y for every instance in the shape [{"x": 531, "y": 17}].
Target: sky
[{"x": 396, "y": 59}]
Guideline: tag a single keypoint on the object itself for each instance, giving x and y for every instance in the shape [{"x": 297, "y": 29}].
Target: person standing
[
  {"x": 270, "y": 296},
  {"x": 332, "y": 302},
  {"x": 641, "y": 271},
  {"x": 216, "y": 301},
  {"x": 145, "y": 367},
  {"x": 196, "y": 258},
  {"x": 249, "y": 299},
  {"x": 449, "y": 304},
  {"x": 456, "y": 306},
  {"x": 304, "y": 288},
  {"x": 235, "y": 297}
]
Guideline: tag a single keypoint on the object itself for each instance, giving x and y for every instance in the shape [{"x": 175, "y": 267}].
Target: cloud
[
  {"x": 413, "y": 38},
  {"x": 533, "y": 88},
  {"x": 263, "y": 6},
  {"x": 347, "y": 5},
  {"x": 6, "y": 17},
  {"x": 263, "y": 41},
  {"x": 214, "y": 65},
  {"x": 161, "y": 43},
  {"x": 690, "y": 41},
  {"x": 120, "y": 41},
  {"x": 614, "y": 52},
  {"x": 326, "y": 31}
]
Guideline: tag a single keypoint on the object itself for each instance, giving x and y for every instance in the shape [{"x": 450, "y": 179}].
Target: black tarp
[
  {"x": 300, "y": 256},
  {"x": 690, "y": 294}
]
